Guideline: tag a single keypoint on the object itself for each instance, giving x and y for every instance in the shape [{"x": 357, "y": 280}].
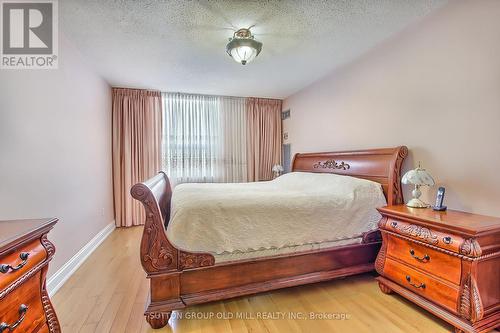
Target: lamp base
[{"x": 417, "y": 203}]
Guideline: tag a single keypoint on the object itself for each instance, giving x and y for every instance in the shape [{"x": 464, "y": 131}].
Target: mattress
[
  {"x": 296, "y": 209},
  {"x": 238, "y": 255}
]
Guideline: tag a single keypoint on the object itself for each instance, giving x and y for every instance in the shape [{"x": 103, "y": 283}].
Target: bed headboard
[{"x": 380, "y": 165}]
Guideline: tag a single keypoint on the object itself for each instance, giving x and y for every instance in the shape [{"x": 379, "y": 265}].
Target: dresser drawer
[
  {"x": 434, "y": 262},
  {"x": 443, "y": 240},
  {"x": 27, "y": 294},
  {"x": 19, "y": 261},
  {"x": 441, "y": 293}
]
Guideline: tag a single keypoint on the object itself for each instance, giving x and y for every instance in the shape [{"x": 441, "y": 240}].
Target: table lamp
[
  {"x": 277, "y": 170},
  {"x": 418, "y": 177}
]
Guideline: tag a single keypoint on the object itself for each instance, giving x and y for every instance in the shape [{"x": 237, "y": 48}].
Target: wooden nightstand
[
  {"x": 25, "y": 253},
  {"x": 446, "y": 262}
]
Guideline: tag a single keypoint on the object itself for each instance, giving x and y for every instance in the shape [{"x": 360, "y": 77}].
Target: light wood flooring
[{"x": 108, "y": 292}]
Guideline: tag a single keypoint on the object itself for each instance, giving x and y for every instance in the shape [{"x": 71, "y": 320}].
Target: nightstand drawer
[
  {"x": 445, "y": 241},
  {"x": 443, "y": 294},
  {"x": 22, "y": 308},
  {"x": 21, "y": 260},
  {"x": 437, "y": 263}
]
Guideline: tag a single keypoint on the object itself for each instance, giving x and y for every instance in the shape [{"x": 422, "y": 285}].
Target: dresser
[
  {"x": 25, "y": 253},
  {"x": 446, "y": 262}
]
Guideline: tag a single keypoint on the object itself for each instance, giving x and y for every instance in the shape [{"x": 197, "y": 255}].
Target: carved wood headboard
[{"x": 380, "y": 165}]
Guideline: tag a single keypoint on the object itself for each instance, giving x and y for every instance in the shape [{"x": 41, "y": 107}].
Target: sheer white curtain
[
  {"x": 204, "y": 138},
  {"x": 233, "y": 114}
]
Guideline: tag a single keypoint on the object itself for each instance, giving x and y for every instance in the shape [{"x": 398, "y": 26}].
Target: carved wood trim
[
  {"x": 384, "y": 288},
  {"x": 50, "y": 314},
  {"x": 48, "y": 308},
  {"x": 470, "y": 247},
  {"x": 397, "y": 192},
  {"x": 157, "y": 253},
  {"x": 49, "y": 246},
  {"x": 470, "y": 306},
  {"x": 192, "y": 260},
  {"x": 332, "y": 164},
  {"x": 380, "y": 260},
  {"x": 416, "y": 231},
  {"x": 158, "y": 319}
]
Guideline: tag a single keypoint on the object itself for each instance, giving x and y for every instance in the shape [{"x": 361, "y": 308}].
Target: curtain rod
[{"x": 184, "y": 93}]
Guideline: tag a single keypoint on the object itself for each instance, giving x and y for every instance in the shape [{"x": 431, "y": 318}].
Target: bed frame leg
[
  {"x": 384, "y": 288},
  {"x": 158, "y": 319}
]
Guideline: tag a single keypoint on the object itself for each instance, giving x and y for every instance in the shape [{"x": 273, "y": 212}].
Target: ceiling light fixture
[{"x": 243, "y": 48}]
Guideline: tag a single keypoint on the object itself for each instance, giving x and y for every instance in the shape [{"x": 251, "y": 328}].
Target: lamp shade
[
  {"x": 277, "y": 168},
  {"x": 418, "y": 176},
  {"x": 243, "y": 48}
]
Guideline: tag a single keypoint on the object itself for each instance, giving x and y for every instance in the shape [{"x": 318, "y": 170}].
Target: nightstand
[
  {"x": 25, "y": 253},
  {"x": 446, "y": 262}
]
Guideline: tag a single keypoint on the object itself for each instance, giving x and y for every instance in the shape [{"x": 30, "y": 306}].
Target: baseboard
[{"x": 56, "y": 281}]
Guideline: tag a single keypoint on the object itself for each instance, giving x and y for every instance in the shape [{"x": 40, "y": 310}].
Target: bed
[{"x": 208, "y": 265}]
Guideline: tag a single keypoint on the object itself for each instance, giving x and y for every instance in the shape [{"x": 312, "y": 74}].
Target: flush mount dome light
[{"x": 243, "y": 48}]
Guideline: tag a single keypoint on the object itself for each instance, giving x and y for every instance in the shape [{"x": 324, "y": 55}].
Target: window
[{"x": 204, "y": 138}]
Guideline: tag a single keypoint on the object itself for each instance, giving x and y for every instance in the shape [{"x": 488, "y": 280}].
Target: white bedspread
[{"x": 295, "y": 209}]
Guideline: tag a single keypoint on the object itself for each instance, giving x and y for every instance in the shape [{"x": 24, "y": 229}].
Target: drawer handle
[
  {"x": 22, "y": 313},
  {"x": 422, "y": 285},
  {"x": 425, "y": 258},
  {"x": 447, "y": 240},
  {"x": 6, "y": 268},
  {"x": 394, "y": 224}
]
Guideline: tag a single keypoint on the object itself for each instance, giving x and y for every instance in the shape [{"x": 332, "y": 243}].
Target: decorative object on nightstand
[
  {"x": 277, "y": 170},
  {"x": 418, "y": 177},
  {"x": 447, "y": 262},
  {"x": 439, "y": 200},
  {"x": 25, "y": 253}
]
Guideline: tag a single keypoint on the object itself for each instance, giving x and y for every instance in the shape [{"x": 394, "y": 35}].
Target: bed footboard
[
  {"x": 162, "y": 261},
  {"x": 158, "y": 255}
]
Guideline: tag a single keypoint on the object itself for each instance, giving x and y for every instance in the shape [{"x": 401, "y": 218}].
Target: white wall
[
  {"x": 434, "y": 87},
  {"x": 55, "y": 150}
]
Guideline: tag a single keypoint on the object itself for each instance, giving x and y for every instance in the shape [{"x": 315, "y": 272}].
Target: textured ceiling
[{"x": 180, "y": 45}]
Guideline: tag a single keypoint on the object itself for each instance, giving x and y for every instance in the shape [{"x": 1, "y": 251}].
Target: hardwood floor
[{"x": 108, "y": 292}]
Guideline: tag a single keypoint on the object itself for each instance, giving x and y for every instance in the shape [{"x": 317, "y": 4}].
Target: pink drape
[
  {"x": 137, "y": 125},
  {"x": 263, "y": 137}
]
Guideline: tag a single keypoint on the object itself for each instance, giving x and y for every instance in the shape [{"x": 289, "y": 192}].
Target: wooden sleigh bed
[{"x": 179, "y": 279}]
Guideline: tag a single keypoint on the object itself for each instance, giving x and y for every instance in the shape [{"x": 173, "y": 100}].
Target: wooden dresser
[
  {"x": 446, "y": 262},
  {"x": 25, "y": 253}
]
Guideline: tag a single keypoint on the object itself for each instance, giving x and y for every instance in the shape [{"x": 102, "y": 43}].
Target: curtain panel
[
  {"x": 264, "y": 138},
  {"x": 136, "y": 144},
  {"x": 204, "y": 138},
  {"x": 233, "y": 111}
]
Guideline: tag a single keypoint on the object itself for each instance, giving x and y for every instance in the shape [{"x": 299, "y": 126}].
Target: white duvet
[{"x": 295, "y": 209}]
